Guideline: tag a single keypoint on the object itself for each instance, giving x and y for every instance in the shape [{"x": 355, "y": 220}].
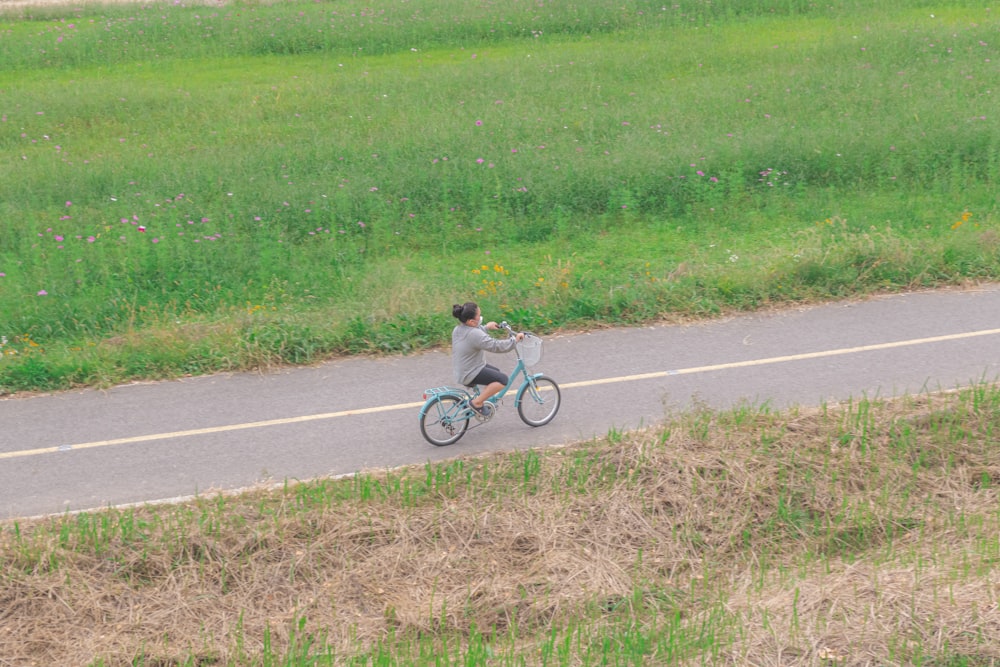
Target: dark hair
[{"x": 465, "y": 312}]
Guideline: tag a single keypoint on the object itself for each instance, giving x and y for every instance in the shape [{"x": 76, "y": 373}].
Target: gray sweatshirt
[{"x": 467, "y": 347}]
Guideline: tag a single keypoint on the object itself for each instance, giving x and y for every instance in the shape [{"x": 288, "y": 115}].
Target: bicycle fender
[{"x": 461, "y": 396}]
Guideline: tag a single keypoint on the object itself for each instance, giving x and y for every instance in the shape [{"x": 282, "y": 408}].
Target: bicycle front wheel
[
  {"x": 538, "y": 400},
  {"x": 440, "y": 423}
]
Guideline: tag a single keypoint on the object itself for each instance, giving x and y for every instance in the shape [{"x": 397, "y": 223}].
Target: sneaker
[{"x": 484, "y": 413}]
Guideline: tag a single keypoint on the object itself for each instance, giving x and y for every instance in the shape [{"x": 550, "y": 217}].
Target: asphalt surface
[{"x": 163, "y": 441}]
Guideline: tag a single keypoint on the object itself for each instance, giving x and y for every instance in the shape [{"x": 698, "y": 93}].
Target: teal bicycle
[{"x": 446, "y": 414}]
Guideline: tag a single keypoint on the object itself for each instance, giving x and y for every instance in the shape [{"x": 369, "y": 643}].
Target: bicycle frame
[{"x": 458, "y": 413}]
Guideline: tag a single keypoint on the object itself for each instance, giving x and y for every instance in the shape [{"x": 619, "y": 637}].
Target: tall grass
[{"x": 255, "y": 183}]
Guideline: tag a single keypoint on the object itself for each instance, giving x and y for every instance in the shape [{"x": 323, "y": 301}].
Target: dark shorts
[{"x": 489, "y": 375}]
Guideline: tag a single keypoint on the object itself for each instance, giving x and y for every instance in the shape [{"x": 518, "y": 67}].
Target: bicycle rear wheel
[
  {"x": 440, "y": 423},
  {"x": 538, "y": 400}
]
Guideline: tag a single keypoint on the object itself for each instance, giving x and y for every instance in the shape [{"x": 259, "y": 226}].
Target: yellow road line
[
  {"x": 205, "y": 431},
  {"x": 779, "y": 360},
  {"x": 569, "y": 385}
]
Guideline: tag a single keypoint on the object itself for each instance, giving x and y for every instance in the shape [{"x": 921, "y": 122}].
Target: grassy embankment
[
  {"x": 863, "y": 534},
  {"x": 191, "y": 189}
]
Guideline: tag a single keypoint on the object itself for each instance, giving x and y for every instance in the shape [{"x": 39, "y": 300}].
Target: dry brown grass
[{"x": 859, "y": 535}]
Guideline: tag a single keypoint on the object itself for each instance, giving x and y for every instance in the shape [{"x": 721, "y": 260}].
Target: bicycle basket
[{"x": 530, "y": 349}]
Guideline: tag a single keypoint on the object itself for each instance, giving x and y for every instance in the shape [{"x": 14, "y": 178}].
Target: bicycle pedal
[{"x": 488, "y": 411}]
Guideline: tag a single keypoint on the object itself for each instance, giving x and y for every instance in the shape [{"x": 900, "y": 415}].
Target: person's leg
[
  {"x": 492, "y": 381},
  {"x": 492, "y": 389}
]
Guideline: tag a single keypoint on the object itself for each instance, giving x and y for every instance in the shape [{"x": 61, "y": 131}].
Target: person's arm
[
  {"x": 518, "y": 337},
  {"x": 490, "y": 344}
]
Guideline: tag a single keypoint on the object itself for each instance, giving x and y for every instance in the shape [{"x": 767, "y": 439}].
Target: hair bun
[{"x": 464, "y": 312}]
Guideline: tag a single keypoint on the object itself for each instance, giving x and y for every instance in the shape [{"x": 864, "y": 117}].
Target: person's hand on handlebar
[{"x": 493, "y": 325}]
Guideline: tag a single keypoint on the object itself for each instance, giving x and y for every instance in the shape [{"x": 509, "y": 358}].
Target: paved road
[{"x": 145, "y": 442}]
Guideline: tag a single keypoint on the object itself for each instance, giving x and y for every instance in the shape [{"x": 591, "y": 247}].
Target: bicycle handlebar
[{"x": 510, "y": 332}]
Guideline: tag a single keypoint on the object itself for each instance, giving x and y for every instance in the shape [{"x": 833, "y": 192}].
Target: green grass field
[{"x": 186, "y": 189}]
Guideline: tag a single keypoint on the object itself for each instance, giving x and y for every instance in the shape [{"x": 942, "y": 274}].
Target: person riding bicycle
[{"x": 469, "y": 341}]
